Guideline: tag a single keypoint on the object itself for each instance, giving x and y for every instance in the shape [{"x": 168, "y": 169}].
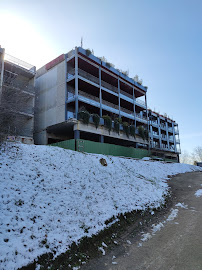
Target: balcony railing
[
  {"x": 109, "y": 86},
  {"x": 154, "y": 123},
  {"x": 140, "y": 102},
  {"x": 70, "y": 73},
  {"x": 84, "y": 94},
  {"x": 112, "y": 105},
  {"x": 20, "y": 63},
  {"x": 163, "y": 126},
  {"x": 126, "y": 94},
  {"x": 88, "y": 76},
  {"x": 127, "y": 111},
  {"x": 139, "y": 116}
]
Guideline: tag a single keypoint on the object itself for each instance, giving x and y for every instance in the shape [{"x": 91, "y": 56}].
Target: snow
[
  {"x": 102, "y": 250},
  {"x": 182, "y": 205},
  {"x": 156, "y": 228},
  {"x": 173, "y": 214},
  {"x": 51, "y": 197},
  {"x": 198, "y": 193}
]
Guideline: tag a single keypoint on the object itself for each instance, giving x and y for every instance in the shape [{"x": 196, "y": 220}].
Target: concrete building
[
  {"x": 164, "y": 136},
  {"x": 17, "y": 98},
  {"x": 79, "y": 81}
]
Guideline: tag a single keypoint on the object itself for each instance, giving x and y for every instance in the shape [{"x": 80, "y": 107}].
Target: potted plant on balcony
[
  {"x": 126, "y": 128},
  {"x": 141, "y": 132},
  {"x": 107, "y": 122},
  {"x": 117, "y": 122},
  {"x": 88, "y": 52},
  {"x": 96, "y": 119},
  {"x": 132, "y": 130},
  {"x": 84, "y": 115},
  {"x": 146, "y": 134}
]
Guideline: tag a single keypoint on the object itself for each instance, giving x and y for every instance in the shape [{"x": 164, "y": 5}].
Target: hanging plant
[
  {"x": 117, "y": 122},
  {"x": 107, "y": 122},
  {"x": 96, "y": 119},
  {"x": 141, "y": 132},
  {"x": 132, "y": 130},
  {"x": 85, "y": 116},
  {"x": 126, "y": 128},
  {"x": 146, "y": 134}
]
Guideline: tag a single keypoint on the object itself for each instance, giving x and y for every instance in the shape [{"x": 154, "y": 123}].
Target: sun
[{"x": 22, "y": 39}]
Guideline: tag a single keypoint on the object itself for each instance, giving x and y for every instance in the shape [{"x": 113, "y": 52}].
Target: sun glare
[{"x": 21, "y": 39}]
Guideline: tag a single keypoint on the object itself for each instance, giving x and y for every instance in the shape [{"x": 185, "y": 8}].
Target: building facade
[
  {"x": 17, "y": 97},
  {"x": 78, "y": 81}
]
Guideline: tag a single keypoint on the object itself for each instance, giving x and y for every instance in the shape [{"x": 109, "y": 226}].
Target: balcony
[
  {"x": 163, "y": 126},
  {"x": 89, "y": 96},
  {"x": 109, "y": 86},
  {"x": 176, "y": 131},
  {"x": 163, "y": 137},
  {"x": 141, "y": 118},
  {"x": 154, "y": 123},
  {"x": 126, "y": 94},
  {"x": 70, "y": 73},
  {"x": 155, "y": 134},
  {"x": 170, "y": 129},
  {"x": 140, "y": 102},
  {"x": 177, "y": 140},
  {"x": 88, "y": 76},
  {"x": 171, "y": 139}
]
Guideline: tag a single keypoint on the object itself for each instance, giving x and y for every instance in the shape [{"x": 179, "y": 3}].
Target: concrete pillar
[
  {"x": 65, "y": 86},
  {"x": 102, "y": 138},
  {"x": 134, "y": 107},
  {"x": 100, "y": 80},
  {"x": 76, "y": 83},
  {"x": 2, "y": 53},
  {"x": 167, "y": 135},
  {"x": 173, "y": 127},
  {"x": 76, "y": 134},
  {"x": 159, "y": 128},
  {"x": 147, "y": 120},
  {"x": 119, "y": 98}
]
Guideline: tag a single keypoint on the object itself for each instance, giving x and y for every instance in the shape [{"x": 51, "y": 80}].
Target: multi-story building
[
  {"x": 164, "y": 136},
  {"x": 80, "y": 81},
  {"x": 17, "y": 98}
]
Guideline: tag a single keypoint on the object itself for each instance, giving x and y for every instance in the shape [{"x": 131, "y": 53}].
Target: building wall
[{"x": 49, "y": 101}]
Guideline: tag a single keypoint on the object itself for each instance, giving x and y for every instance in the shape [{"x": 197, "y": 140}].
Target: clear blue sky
[{"x": 161, "y": 41}]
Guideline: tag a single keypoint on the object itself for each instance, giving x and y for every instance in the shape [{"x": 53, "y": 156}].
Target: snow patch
[
  {"x": 198, "y": 193},
  {"x": 182, "y": 205},
  {"x": 102, "y": 250},
  {"x": 173, "y": 215}
]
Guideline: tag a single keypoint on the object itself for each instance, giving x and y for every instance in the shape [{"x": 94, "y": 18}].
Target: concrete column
[
  {"x": 65, "y": 86},
  {"x": 2, "y": 53},
  {"x": 147, "y": 119},
  {"x": 173, "y": 127},
  {"x": 100, "y": 80},
  {"x": 134, "y": 107},
  {"x": 102, "y": 138},
  {"x": 167, "y": 135},
  {"x": 76, "y": 134},
  {"x": 119, "y": 98},
  {"x": 159, "y": 128},
  {"x": 76, "y": 83}
]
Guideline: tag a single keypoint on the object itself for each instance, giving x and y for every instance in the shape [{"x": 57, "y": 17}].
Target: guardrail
[{"x": 30, "y": 68}]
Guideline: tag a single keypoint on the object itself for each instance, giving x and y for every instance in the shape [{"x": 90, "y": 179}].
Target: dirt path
[{"x": 174, "y": 242}]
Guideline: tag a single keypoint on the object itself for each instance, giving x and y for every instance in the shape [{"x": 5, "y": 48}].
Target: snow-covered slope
[{"x": 50, "y": 197}]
